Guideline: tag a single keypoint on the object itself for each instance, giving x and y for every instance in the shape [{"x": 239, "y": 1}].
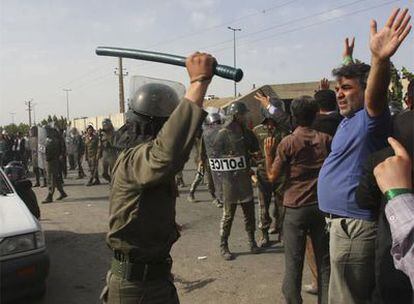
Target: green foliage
[
  {"x": 60, "y": 123},
  {"x": 13, "y": 128},
  {"x": 395, "y": 92},
  {"x": 407, "y": 74}
]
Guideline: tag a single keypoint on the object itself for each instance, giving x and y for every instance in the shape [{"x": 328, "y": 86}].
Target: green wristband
[
  {"x": 347, "y": 60},
  {"x": 390, "y": 194}
]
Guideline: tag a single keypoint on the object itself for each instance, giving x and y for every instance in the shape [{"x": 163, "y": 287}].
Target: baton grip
[{"x": 223, "y": 71}]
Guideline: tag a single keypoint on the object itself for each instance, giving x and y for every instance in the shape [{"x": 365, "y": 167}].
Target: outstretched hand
[
  {"x": 348, "y": 47},
  {"x": 385, "y": 42},
  {"x": 395, "y": 171},
  {"x": 263, "y": 99},
  {"x": 324, "y": 84}
]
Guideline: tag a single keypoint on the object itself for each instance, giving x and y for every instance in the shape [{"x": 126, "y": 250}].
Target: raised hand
[
  {"x": 348, "y": 47},
  {"x": 324, "y": 84},
  {"x": 395, "y": 171},
  {"x": 263, "y": 99},
  {"x": 385, "y": 42}
]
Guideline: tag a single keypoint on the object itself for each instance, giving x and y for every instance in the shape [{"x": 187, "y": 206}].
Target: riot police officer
[
  {"x": 53, "y": 154},
  {"x": 269, "y": 128},
  {"x": 107, "y": 150},
  {"x": 157, "y": 139},
  {"x": 92, "y": 155},
  {"x": 212, "y": 123},
  {"x": 229, "y": 159}
]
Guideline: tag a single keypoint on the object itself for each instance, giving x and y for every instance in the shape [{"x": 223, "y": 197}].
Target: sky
[{"x": 47, "y": 46}]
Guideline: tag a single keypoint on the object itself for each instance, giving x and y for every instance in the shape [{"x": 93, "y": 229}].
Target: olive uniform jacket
[{"x": 143, "y": 193}]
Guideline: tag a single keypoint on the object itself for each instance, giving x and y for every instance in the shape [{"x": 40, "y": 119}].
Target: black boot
[
  {"x": 191, "y": 197},
  {"x": 48, "y": 199},
  {"x": 252, "y": 243},
  {"x": 224, "y": 250},
  {"x": 90, "y": 182},
  {"x": 62, "y": 195}
]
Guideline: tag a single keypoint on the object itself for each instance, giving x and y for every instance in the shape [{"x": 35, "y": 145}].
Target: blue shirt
[{"x": 356, "y": 138}]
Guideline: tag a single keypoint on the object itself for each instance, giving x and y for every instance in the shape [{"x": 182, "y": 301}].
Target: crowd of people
[
  {"x": 324, "y": 163},
  {"x": 341, "y": 194},
  {"x": 50, "y": 152}
]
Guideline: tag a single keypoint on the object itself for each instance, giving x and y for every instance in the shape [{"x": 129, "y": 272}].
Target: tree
[
  {"x": 395, "y": 92},
  {"x": 60, "y": 123},
  {"x": 406, "y": 74},
  {"x": 13, "y": 128}
]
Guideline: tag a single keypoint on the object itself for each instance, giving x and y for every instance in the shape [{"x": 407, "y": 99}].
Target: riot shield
[
  {"x": 209, "y": 137},
  {"x": 41, "y": 147},
  {"x": 70, "y": 142},
  {"x": 229, "y": 163}
]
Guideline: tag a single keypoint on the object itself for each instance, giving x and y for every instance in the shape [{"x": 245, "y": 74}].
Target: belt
[
  {"x": 140, "y": 271},
  {"x": 334, "y": 216}
]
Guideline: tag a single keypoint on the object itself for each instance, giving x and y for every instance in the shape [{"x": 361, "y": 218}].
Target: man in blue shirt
[{"x": 363, "y": 131}]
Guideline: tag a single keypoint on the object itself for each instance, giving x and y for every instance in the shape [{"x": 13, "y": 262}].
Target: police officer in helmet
[{"x": 156, "y": 141}]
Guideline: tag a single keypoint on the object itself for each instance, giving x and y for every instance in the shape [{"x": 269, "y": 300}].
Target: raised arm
[
  {"x": 383, "y": 44},
  {"x": 347, "y": 55}
]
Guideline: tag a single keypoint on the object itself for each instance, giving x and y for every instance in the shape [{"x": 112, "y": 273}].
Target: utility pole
[
  {"x": 234, "y": 48},
  {"x": 67, "y": 102},
  {"x": 34, "y": 114},
  {"x": 12, "y": 116},
  {"x": 29, "y": 104},
  {"x": 119, "y": 71}
]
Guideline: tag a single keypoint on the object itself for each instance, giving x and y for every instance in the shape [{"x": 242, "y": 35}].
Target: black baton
[{"x": 224, "y": 71}]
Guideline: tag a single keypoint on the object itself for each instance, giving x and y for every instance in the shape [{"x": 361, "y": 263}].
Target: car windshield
[{"x": 4, "y": 185}]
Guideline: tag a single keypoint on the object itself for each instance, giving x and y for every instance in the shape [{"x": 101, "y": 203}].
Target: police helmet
[
  {"x": 237, "y": 107},
  {"x": 154, "y": 100},
  {"x": 212, "y": 118}
]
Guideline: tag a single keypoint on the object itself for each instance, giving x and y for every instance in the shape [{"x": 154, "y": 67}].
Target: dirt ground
[{"x": 75, "y": 233}]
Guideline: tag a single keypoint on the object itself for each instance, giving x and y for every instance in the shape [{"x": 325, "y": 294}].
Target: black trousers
[{"x": 299, "y": 222}]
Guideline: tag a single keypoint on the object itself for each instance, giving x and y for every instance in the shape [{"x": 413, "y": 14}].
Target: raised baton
[{"x": 224, "y": 71}]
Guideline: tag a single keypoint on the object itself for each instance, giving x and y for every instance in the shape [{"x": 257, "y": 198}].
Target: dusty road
[{"x": 75, "y": 232}]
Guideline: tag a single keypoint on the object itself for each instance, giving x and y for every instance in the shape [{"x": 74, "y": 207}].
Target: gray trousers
[
  {"x": 121, "y": 291},
  {"x": 352, "y": 253},
  {"x": 297, "y": 224}
]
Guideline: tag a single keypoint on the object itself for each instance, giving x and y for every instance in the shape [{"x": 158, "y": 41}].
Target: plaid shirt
[{"x": 400, "y": 216}]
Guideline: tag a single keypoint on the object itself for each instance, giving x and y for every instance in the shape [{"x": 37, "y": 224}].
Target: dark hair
[
  {"x": 326, "y": 100},
  {"x": 304, "y": 110},
  {"x": 410, "y": 88},
  {"x": 358, "y": 71},
  {"x": 403, "y": 131}
]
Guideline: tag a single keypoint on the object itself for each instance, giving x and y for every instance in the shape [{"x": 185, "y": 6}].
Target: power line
[
  {"x": 165, "y": 42},
  {"x": 285, "y": 23},
  {"x": 311, "y": 25}
]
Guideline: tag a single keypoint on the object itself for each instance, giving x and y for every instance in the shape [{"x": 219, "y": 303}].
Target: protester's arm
[
  {"x": 274, "y": 165},
  {"x": 280, "y": 116},
  {"x": 394, "y": 179},
  {"x": 400, "y": 214},
  {"x": 384, "y": 44},
  {"x": 347, "y": 55}
]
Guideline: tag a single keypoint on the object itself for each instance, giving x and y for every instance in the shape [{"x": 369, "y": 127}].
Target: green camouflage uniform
[
  {"x": 108, "y": 153},
  {"x": 266, "y": 188}
]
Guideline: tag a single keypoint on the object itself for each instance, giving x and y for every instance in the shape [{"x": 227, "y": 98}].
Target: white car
[{"x": 24, "y": 261}]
